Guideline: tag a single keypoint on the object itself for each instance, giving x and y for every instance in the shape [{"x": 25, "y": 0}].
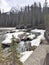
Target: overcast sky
[{"x": 5, "y": 5}]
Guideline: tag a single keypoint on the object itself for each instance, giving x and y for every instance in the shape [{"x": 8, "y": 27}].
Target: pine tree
[
  {"x": 15, "y": 55},
  {"x": 2, "y": 58}
]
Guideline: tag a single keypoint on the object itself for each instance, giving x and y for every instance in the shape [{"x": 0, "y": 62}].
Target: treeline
[{"x": 33, "y": 15}]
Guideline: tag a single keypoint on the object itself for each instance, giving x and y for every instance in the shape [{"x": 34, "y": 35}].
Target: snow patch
[{"x": 25, "y": 56}]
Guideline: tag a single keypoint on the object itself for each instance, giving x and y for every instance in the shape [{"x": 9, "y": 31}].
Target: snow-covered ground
[
  {"x": 25, "y": 56},
  {"x": 36, "y": 42},
  {"x": 38, "y": 30}
]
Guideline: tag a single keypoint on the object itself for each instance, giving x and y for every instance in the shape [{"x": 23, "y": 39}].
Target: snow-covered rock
[
  {"x": 31, "y": 36},
  {"x": 9, "y": 36}
]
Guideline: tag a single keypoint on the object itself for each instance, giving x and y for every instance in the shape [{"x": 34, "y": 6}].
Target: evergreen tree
[
  {"x": 2, "y": 58},
  {"x": 15, "y": 55}
]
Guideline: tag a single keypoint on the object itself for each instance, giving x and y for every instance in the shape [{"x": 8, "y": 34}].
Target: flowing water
[{"x": 2, "y": 36}]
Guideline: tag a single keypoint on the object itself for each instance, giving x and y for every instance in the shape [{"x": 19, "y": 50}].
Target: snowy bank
[
  {"x": 37, "y": 41},
  {"x": 38, "y": 30},
  {"x": 25, "y": 56}
]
